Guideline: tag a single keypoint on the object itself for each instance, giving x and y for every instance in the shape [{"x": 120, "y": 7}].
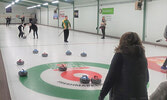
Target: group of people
[
  {"x": 31, "y": 27},
  {"x": 66, "y": 25},
  {"x": 8, "y": 20},
  {"x": 128, "y": 74}
]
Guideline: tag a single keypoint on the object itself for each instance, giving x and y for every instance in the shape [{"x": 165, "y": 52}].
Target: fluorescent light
[
  {"x": 30, "y": 7},
  {"x": 45, "y": 4},
  {"x": 13, "y": 3},
  {"x": 16, "y": 1},
  {"x": 8, "y": 6},
  {"x": 33, "y": 6},
  {"x": 38, "y": 5},
  {"x": 55, "y": 2}
]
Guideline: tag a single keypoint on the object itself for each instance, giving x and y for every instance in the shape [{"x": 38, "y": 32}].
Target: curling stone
[
  {"x": 23, "y": 73},
  {"x": 44, "y": 54},
  {"x": 62, "y": 67},
  {"x": 35, "y": 51},
  {"x": 84, "y": 79},
  {"x": 83, "y": 54},
  {"x": 95, "y": 80},
  {"x": 164, "y": 69},
  {"x": 24, "y": 37},
  {"x": 20, "y": 62},
  {"x": 68, "y": 53}
]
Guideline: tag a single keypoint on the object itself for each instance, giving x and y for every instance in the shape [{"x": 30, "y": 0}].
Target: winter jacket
[
  {"x": 127, "y": 77},
  {"x": 33, "y": 27},
  {"x": 21, "y": 28}
]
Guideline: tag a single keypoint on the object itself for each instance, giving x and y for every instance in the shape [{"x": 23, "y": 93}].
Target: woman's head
[
  {"x": 103, "y": 19},
  {"x": 129, "y": 42},
  {"x": 130, "y": 39}
]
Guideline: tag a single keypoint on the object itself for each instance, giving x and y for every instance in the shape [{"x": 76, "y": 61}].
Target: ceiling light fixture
[
  {"x": 33, "y": 6},
  {"x": 45, "y": 4},
  {"x": 13, "y": 3},
  {"x": 38, "y": 5},
  {"x": 55, "y": 2},
  {"x": 8, "y": 6},
  {"x": 16, "y": 1}
]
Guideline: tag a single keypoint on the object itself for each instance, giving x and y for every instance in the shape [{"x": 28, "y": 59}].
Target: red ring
[
  {"x": 69, "y": 75},
  {"x": 153, "y": 63}
]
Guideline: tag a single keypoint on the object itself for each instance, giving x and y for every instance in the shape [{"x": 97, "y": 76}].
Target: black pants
[
  {"x": 165, "y": 63},
  {"x": 7, "y": 23},
  {"x": 66, "y": 34},
  {"x": 103, "y": 32},
  {"x": 20, "y": 33},
  {"x": 35, "y": 32}
]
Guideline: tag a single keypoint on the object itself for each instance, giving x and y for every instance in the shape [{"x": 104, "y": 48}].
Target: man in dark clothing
[
  {"x": 22, "y": 19},
  {"x": 7, "y": 21},
  {"x": 66, "y": 26},
  {"x": 34, "y": 21},
  {"x": 35, "y": 29},
  {"x": 30, "y": 20},
  {"x": 21, "y": 29}
]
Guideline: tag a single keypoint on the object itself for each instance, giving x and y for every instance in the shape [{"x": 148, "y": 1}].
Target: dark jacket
[
  {"x": 21, "y": 28},
  {"x": 33, "y": 27},
  {"x": 7, "y": 19},
  {"x": 127, "y": 77},
  {"x": 22, "y": 19}
]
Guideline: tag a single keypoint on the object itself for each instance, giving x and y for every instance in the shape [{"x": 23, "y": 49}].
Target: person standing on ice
[
  {"x": 128, "y": 76},
  {"x": 66, "y": 26}
]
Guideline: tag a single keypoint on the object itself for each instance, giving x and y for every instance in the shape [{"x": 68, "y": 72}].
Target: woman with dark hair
[
  {"x": 7, "y": 21},
  {"x": 127, "y": 77}
]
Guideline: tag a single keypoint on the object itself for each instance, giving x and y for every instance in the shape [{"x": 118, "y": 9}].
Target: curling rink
[{"x": 45, "y": 82}]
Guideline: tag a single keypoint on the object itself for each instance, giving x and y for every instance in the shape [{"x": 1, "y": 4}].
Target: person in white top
[{"x": 103, "y": 27}]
